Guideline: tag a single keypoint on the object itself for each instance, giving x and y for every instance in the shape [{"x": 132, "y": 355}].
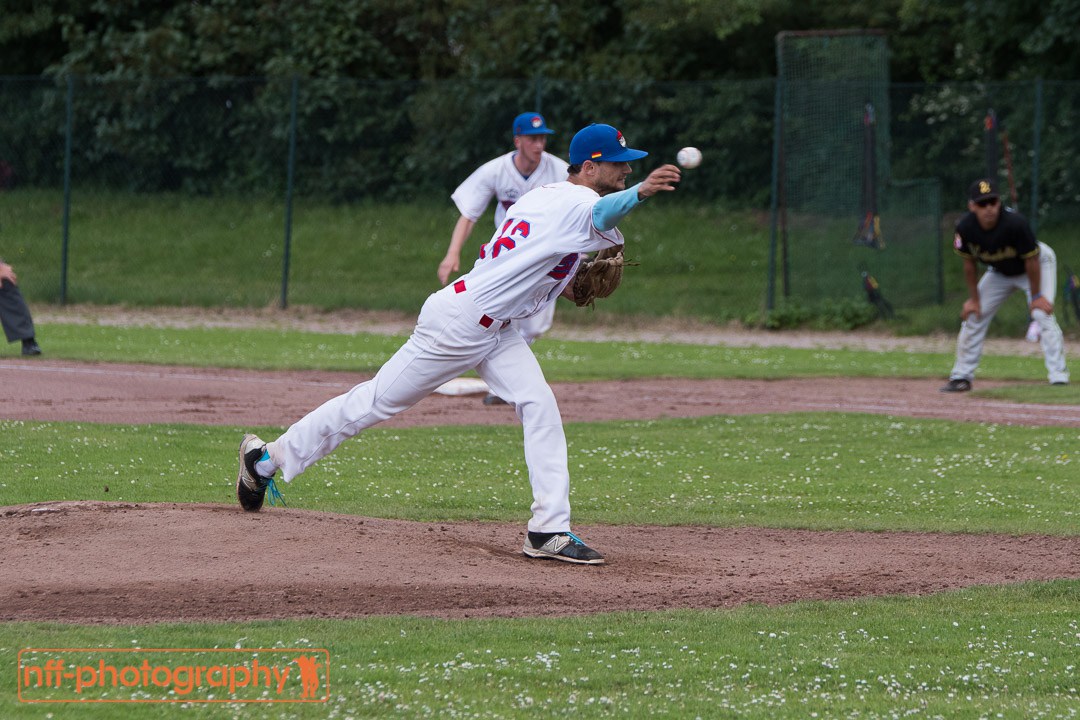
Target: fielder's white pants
[
  {"x": 447, "y": 341},
  {"x": 993, "y": 289}
]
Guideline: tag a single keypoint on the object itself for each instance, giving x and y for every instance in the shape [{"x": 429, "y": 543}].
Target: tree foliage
[
  {"x": 562, "y": 39},
  {"x": 196, "y": 95},
  {"x": 990, "y": 39},
  {"x": 388, "y": 39}
]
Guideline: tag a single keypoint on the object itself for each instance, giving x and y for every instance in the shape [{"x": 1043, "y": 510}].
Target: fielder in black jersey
[
  {"x": 1005, "y": 247},
  {"x": 1002, "y": 240}
]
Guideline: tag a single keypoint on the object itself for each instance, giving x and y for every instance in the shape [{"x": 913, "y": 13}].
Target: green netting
[
  {"x": 31, "y": 156},
  {"x": 840, "y": 213}
]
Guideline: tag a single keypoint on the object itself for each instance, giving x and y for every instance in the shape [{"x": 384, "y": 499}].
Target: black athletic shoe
[
  {"x": 250, "y": 485},
  {"x": 30, "y": 347},
  {"x": 565, "y": 546},
  {"x": 956, "y": 385}
]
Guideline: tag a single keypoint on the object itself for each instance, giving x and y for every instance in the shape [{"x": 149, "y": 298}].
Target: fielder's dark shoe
[
  {"x": 30, "y": 347},
  {"x": 565, "y": 546},
  {"x": 493, "y": 399},
  {"x": 956, "y": 385},
  {"x": 250, "y": 485},
  {"x": 1060, "y": 382}
]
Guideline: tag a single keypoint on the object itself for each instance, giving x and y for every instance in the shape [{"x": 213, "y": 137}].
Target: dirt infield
[
  {"x": 59, "y": 561},
  {"x": 213, "y": 562},
  {"x": 119, "y": 393}
]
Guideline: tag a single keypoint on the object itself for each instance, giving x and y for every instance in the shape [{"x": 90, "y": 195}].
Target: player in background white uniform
[
  {"x": 529, "y": 261},
  {"x": 506, "y": 178}
]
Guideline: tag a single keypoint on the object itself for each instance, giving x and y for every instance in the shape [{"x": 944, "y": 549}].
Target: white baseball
[{"x": 689, "y": 157}]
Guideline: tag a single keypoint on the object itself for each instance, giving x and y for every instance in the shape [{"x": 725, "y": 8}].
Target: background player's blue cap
[
  {"x": 531, "y": 123},
  {"x": 601, "y": 143}
]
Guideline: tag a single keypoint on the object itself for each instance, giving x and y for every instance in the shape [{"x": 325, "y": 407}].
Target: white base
[{"x": 463, "y": 386}]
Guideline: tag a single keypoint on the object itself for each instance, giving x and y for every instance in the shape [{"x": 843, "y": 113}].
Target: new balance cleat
[
  {"x": 565, "y": 546},
  {"x": 250, "y": 485}
]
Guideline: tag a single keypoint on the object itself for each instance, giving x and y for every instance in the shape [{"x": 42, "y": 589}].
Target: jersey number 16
[{"x": 505, "y": 241}]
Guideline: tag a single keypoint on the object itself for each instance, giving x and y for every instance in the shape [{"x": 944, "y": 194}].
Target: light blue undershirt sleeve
[{"x": 610, "y": 209}]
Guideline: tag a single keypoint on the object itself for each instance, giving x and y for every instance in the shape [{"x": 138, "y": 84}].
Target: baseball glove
[{"x": 598, "y": 277}]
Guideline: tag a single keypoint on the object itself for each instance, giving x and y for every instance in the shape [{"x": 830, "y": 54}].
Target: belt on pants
[{"x": 485, "y": 319}]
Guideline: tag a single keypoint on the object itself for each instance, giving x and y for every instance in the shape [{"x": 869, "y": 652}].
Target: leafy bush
[{"x": 841, "y": 314}]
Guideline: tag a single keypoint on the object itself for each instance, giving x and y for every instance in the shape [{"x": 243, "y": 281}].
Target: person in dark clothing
[
  {"x": 1002, "y": 239},
  {"x": 14, "y": 313}
]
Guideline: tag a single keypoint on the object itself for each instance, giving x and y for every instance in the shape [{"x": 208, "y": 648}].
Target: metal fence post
[
  {"x": 289, "y": 194},
  {"x": 1033, "y": 216},
  {"x": 940, "y": 255},
  {"x": 67, "y": 188},
  {"x": 774, "y": 203}
]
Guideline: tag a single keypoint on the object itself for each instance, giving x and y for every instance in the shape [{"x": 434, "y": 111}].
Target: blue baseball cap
[
  {"x": 531, "y": 123},
  {"x": 601, "y": 143}
]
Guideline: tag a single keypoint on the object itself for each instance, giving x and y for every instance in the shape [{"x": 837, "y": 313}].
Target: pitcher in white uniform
[
  {"x": 506, "y": 178},
  {"x": 527, "y": 264}
]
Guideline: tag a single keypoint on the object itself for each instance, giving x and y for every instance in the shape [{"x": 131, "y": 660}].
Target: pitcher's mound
[{"x": 92, "y": 562}]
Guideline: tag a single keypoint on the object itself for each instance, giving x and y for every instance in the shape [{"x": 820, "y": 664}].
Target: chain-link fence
[
  {"x": 90, "y": 163},
  {"x": 234, "y": 170}
]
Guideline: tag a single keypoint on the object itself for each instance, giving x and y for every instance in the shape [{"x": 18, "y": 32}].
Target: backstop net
[{"x": 841, "y": 222}]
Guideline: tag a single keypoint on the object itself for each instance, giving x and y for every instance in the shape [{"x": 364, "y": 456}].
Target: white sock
[{"x": 265, "y": 466}]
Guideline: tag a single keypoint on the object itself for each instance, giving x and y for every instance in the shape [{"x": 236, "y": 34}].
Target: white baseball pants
[
  {"x": 993, "y": 289},
  {"x": 448, "y": 340},
  {"x": 535, "y": 326}
]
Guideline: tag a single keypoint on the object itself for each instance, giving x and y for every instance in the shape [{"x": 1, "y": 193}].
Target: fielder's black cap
[{"x": 983, "y": 189}]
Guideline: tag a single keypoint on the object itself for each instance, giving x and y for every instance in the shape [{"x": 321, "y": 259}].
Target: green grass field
[
  {"x": 702, "y": 262},
  {"x": 211, "y": 251},
  {"x": 563, "y": 360},
  {"x": 982, "y": 652},
  {"x": 978, "y": 653},
  {"x": 800, "y": 470}
]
